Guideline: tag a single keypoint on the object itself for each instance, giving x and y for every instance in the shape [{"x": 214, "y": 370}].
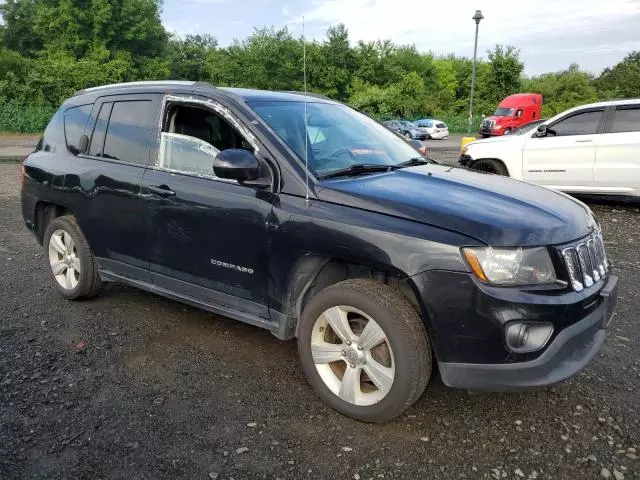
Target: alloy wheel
[
  {"x": 352, "y": 355},
  {"x": 64, "y": 259}
]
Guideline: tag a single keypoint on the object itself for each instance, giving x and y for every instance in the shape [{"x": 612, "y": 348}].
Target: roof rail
[
  {"x": 308, "y": 94},
  {"x": 137, "y": 84}
]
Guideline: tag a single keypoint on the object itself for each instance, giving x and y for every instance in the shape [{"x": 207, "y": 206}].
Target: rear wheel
[
  {"x": 490, "y": 165},
  {"x": 364, "y": 350},
  {"x": 74, "y": 269}
]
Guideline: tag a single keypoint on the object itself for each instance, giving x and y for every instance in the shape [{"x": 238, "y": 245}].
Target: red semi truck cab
[{"x": 513, "y": 112}]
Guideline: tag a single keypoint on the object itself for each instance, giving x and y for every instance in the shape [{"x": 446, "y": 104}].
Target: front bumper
[{"x": 467, "y": 330}]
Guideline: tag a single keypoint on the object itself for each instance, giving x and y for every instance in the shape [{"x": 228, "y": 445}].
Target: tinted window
[
  {"x": 128, "y": 133},
  {"x": 580, "y": 124},
  {"x": 75, "y": 121},
  {"x": 53, "y": 136},
  {"x": 626, "y": 119},
  {"x": 97, "y": 139}
]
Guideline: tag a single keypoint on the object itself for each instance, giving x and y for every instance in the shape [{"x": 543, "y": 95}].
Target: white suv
[{"x": 591, "y": 149}]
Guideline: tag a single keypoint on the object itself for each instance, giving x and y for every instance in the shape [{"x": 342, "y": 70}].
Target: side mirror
[
  {"x": 541, "y": 131},
  {"x": 236, "y": 164}
]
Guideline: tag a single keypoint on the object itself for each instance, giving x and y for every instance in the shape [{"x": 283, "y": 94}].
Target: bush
[{"x": 24, "y": 118}]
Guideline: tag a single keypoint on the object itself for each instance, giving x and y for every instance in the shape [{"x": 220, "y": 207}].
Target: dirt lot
[{"x": 130, "y": 385}]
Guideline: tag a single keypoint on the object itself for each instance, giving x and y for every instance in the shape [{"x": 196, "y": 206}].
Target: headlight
[{"x": 511, "y": 266}]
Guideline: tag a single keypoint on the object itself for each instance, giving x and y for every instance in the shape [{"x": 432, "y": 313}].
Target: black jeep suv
[{"x": 302, "y": 216}]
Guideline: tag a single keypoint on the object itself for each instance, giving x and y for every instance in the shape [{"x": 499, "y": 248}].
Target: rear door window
[
  {"x": 75, "y": 121},
  {"x": 129, "y": 131},
  {"x": 97, "y": 139},
  {"x": 626, "y": 119}
]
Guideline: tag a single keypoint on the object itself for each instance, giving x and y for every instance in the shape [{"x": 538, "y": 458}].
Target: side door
[
  {"x": 617, "y": 169},
  {"x": 565, "y": 158},
  {"x": 209, "y": 235},
  {"x": 111, "y": 214}
]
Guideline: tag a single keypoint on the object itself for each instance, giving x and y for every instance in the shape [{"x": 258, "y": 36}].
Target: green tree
[
  {"x": 623, "y": 80},
  {"x": 505, "y": 69},
  {"x": 188, "y": 56}
]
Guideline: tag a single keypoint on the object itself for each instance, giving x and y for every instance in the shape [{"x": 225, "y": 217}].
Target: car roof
[
  {"x": 184, "y": 86},
  {"x": 608, "y": 103}
]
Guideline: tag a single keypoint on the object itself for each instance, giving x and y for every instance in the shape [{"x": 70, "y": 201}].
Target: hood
[
  {"x": 496, "y": 210},
  {"x": 502, "y": 138}
]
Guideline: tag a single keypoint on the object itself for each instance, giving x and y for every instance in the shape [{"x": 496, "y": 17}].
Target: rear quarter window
[
  {"x": 75, "y": 122},
  {"x": 53, "y": 137}
]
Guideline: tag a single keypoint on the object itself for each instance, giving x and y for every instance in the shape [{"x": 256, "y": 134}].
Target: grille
[
  {"x": 586, "y": 262},
  {"x": 487, "y": 123}
]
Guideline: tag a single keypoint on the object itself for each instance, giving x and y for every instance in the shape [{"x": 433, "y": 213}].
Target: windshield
[
  {"x": 504, "y": 112},
  {"x": 407, "y": 124},
  {"x": 338, "y": 137}
]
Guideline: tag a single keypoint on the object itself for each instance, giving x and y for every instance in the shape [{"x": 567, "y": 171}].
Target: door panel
[
  {"x": 617, "y": 169},
  {"x": 112, "y": 212},
  {"x": 209, "y": 239},
  {"x": 565, "y": 158},
  {"x": 209, "y": 235}
]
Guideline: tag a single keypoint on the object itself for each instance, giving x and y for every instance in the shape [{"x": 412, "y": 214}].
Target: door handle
[
  {"x": 161, "y": 190},
  {"x": 584, "y": 141}
]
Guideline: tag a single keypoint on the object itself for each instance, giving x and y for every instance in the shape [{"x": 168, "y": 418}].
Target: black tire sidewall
[
  {"x": 402, "y": 393},
  {"x": 86, "y": 263}
]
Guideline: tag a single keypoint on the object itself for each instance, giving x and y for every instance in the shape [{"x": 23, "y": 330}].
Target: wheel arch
[
  {"x": 495, "y": 159},
  {"x": 313, "y": 273},
  {"x": 44, "y": 212}
]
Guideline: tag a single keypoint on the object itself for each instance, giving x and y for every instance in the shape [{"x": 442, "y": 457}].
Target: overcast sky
[{"x": 550, "y": 34}]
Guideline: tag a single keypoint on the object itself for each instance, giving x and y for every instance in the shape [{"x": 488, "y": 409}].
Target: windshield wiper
[
  {"x": 413, "y": 162},
  {"x": 357, "y": 169}
]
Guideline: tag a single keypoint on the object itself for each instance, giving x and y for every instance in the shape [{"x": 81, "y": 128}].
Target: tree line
[{"x": 51, "y": 48}]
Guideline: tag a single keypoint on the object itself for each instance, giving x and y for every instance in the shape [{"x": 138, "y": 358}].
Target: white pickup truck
[{"x": 591, "y": 149}]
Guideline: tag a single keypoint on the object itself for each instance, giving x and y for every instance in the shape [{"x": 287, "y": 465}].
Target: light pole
[{"x": 477, "y": 17}]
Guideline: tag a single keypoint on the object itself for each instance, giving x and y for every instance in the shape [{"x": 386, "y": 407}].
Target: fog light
[{"x": 525, "y": 337}]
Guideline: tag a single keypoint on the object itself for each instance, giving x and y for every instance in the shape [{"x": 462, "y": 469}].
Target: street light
[{"x": 477, "y": 17}]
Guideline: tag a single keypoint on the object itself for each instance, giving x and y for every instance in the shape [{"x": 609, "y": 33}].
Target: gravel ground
[{"x": 130, "y": 385}]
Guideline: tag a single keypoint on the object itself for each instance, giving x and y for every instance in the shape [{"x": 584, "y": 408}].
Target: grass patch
[{"x": 24, "y": 118}]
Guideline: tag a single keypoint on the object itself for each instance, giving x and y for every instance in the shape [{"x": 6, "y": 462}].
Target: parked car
[
  {"x": 592, "y": 149},
  {"x": 408, "y": 129},
  {"x": 512, "y": 112},
  {"x": 436, "y": 129},
  {"x": 313, "y": 221}
]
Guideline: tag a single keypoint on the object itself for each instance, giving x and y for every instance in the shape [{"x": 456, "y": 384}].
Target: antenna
[{"x": 306, "y": 130}]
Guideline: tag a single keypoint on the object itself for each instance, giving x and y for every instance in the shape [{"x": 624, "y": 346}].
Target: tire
[
  {"x": 408, "y": 135},
  {"x": 67, "y": 249},
  {"x": 489, "y": 165},
  {"x": 507, "y": 131},
  {"x": 404, "y": 354}
]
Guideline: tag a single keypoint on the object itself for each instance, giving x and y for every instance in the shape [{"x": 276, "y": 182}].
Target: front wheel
[
  {"x": 364, "y": 350},
  {"x": 408, "y": 135}
]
